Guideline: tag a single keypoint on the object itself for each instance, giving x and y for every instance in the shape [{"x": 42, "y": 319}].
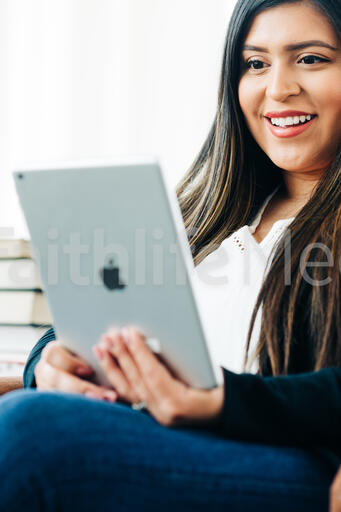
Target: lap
[{"x": 68, "y": 449}]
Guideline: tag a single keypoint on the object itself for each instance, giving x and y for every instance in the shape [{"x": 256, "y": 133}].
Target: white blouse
[{"x": 227, "y": 283}]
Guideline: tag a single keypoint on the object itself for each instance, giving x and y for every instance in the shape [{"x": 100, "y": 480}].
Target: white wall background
[{"x": 104, "y": 78}]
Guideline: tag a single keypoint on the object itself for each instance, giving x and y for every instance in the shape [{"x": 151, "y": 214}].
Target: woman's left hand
[{"x": 137, "y": 375}]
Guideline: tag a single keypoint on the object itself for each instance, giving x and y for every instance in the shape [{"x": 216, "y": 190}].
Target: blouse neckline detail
[{"x": 277, "y": 227}]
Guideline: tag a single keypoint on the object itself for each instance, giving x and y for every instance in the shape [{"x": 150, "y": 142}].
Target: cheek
[
  {"x": 326, "y": 94},
  {"x": 333, "y": 107},
  {"x": 250, "y": 99},
  {"x": 332, "y": 90},
  {"x": 330, "y": 108},
  {"x": 245, "y": 99},
  {"x": 242, "y": 95}
]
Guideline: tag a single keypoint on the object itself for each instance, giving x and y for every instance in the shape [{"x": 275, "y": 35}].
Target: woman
[{"x": 269, "y": 438}]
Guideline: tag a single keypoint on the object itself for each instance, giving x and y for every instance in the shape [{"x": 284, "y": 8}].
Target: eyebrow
[{"x": 292, "y": 47}]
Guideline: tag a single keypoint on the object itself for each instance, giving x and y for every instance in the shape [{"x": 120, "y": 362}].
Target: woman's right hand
[{"x": 61, "y": 370}]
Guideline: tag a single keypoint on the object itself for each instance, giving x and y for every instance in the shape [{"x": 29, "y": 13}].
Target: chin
[
  {"x": 291, "y": 164},
  {"x": 290, "y": 168}
]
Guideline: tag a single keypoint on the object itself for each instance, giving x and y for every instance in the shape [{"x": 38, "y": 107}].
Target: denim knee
[
  {"x": 18, "y": 412},
  {"x": 51, "y": 428},
  {"x": 27, "y": 419}
]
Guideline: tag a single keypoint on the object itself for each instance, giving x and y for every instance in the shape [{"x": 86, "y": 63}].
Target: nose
[{"x": 282, "y": 83}]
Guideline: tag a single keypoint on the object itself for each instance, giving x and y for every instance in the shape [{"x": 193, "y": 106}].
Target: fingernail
[
  {"x": 125, "y": 332},
  {"x": 98, "y": 352},
  {"x": 84, "y": 370},
  {"x": 111, "y": 333},
  {"x": 108, "y": 340},
  {"x": 93, "y": 394},
  {"x": 108, "y": 396},
  {"x": 111, "y": 396}
]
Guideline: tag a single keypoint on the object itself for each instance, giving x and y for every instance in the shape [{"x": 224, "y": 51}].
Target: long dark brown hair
[{"x": 223, "y": 190}]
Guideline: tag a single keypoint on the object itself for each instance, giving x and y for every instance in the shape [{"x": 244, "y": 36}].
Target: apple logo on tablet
[{"x": 110, "y": 277}]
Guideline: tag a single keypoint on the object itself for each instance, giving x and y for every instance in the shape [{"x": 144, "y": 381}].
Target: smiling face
[{"x": 290, "y": 87}]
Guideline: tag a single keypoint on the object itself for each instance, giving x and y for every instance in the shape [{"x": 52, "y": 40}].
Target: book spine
[
  {"x": 24, "y": 308},
  {"x": 19, "y": 274},
  {"x": 15, "y": 248},
  {"x": 21, "y": 290}
]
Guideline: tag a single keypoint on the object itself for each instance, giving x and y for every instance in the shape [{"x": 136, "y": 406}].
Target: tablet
[{"x": 112, "y": 250}]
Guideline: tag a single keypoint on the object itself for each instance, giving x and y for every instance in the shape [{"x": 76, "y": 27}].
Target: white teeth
[{"x": 290, "y": 121}]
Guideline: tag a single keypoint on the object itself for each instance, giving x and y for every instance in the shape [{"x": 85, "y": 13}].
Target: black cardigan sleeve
[
  {"x": 33, "y": 358},
  {"x": 301, "y": 409}
]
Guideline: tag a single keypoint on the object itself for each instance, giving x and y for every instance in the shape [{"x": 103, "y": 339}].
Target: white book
[
  {"x": 19, "y": 339},
  {"x": 13, "y": 358},
  {"x": 12, "y": 364},
  {"x": 20, "y": 274},
  {"x": 10, "y": 369},
  {"x": 24, "y": 308},
  {"x": 15, "y": 248}
]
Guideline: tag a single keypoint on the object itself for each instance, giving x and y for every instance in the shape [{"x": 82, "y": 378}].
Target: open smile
[{"x": 284, "y": 126}]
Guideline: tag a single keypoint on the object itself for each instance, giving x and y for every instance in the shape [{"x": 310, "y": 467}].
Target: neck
[{"x": 299, "y": 187}]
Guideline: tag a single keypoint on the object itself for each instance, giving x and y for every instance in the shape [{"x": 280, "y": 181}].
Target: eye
[
  {"x": 254, "y": 64},
  {"x": 312, "y": 59}
]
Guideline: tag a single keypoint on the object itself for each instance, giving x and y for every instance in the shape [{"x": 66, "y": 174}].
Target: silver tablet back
[{"x": 112, "y": 251}]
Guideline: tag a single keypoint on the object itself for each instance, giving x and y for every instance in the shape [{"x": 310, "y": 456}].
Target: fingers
[
  {"x": 120, "y": 368},
  {"x": 154, "y": 372},
  {"x": 59, "y": 369},
  {"x": 134, "y": 371},
  {"x": 112, "y": 370},
  {"x": 54, "y": 378},
  {"x": 138, "y": 375},
  {"x": 58, "y": 356}
]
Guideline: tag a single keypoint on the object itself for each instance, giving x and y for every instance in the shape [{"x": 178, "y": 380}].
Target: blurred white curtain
[{"x": 103, "y": 78}]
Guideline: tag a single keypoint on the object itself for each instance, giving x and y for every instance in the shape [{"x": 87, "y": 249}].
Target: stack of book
[{"x": 24, "y": 313}]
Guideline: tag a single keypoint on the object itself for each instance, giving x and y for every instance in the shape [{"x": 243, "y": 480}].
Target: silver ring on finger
[{"x": 139, "y": 406}]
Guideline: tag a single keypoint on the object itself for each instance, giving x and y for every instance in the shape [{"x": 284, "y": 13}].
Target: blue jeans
[{"x": 61, "y": 452}]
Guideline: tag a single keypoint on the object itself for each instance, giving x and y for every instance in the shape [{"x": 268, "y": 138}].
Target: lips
[
  {"x": 289, "y": 131},
  {"x": 287, "y": 113}
]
